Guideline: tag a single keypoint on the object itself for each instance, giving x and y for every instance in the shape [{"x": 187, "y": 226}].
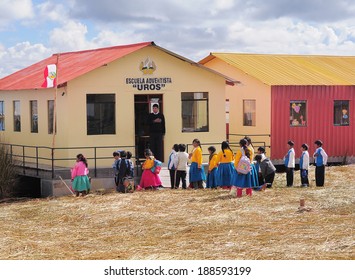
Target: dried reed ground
[{"x": 176, "y": 224}]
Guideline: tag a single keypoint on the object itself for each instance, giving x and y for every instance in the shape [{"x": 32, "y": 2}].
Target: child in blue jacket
[{"x": 320, "y": 158}]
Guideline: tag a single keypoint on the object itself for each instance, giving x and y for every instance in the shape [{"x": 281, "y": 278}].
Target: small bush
[{"x": 8, "y": 173}]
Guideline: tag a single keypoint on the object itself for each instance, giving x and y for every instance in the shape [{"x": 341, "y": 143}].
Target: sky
[{"x": 32, "y": 30}]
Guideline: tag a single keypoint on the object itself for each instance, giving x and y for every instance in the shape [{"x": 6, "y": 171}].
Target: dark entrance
[{"x": 142, "y": 107}]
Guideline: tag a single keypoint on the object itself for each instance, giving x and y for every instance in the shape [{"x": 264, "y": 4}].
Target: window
[
  {"x": 249, "y": 118},
  {"x": 194, "y": 111},
  {"x": 101, "y": 114},
  {"x": 34, "y": 116},
  {"x": 50, "y": 107},
  {"x": 2, "y": 116},
  {"x": 341, "y": 113},
  {"x": 298, "y": 113},
  {"x": 17, "y": 116}
]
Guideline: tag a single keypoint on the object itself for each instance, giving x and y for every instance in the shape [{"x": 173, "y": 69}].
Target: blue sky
[{"x": 31, "y": 30}]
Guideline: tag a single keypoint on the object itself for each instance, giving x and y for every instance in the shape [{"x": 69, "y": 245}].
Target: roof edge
[
  {"x": 207, "y": 59},
  {"x": 229, "y": 80}
]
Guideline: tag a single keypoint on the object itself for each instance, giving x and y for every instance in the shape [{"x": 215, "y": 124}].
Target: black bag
[
  {"x": 124, "y": 168},
  {"x": 124, "y": 171}
]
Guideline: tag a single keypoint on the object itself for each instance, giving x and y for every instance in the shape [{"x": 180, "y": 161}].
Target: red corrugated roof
[{"x": 70, "y": 66}]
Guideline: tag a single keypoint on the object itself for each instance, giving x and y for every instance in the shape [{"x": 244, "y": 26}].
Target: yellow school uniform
[
  {"x": 197, "y": 156},
  {"x": 213, "y": 162},
  {"x": 226, "y": 157}
]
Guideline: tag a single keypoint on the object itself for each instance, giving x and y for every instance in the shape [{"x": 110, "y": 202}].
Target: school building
[
  {"x": 297, "y": 97},
  {"x": 101, "y": 102}
]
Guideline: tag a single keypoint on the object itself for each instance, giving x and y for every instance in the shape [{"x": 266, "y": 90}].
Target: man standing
[{"x": 156, "y": 122}]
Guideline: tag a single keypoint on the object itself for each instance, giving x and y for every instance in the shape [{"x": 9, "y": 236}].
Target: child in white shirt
[
  {"x": 304, "y": 165},
  {"x": 182, "y": 160}
]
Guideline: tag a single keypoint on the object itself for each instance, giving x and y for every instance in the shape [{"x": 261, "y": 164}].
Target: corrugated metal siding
[
  {"x": 293, "y": 69},
  {"x": 339, "y": 141}
]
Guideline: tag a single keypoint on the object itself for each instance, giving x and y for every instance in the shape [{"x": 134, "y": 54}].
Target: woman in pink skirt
[{"x": 149, "y": 179}]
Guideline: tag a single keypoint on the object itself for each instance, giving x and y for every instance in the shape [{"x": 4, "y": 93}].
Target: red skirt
[{"x": 149, "y": 179}]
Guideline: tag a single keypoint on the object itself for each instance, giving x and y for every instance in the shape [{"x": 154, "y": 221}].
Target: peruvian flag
[{"x": 50, "y": 74}]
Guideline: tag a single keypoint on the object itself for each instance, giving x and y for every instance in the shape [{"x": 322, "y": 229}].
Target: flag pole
[{"x": 55, "y": 107}]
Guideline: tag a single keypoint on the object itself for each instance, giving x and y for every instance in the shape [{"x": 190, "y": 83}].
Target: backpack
[
  {"x": 157, "y": 166},
  {"x": 244, "y": 165},
  {"x": 123, "y": 169},
  {"x": 124, "y": 174},
  {"x": 126, "y": 185}
]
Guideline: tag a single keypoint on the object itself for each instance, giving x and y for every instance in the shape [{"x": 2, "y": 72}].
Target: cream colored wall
[
  {"x": 40, "y": 138},
  {"x": 26, "y": 137},
  {"x": 112, "y": 79},
  {"x": 250, "y": 88},
  {"x": 71, "y": 106}
]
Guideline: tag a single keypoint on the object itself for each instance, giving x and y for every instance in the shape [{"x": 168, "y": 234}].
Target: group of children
[
  {"x": 241, "y": 170},
  {"x": 320, "y": 159},
  {"x": 124, "y": 171},
  {"x": 177, "y": 165},
  {"x": 226, "y": 169}
]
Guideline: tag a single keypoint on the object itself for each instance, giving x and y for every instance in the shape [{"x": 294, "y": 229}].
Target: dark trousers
[
  {"x": 269, "y": 179},
  {"x": 180, "y": 175},
  {"x": 261, "y": 179},
  {"x": 289, "y": 176},
  {"x": 197, "y": 185},
  {"x": 320, "y": 170},
  {"x": 156, "y": 145},
  {"x": 304, "y": 177},
  {"x": 172, "y": 174}
]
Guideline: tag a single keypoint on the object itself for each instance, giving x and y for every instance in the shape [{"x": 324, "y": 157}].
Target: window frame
[
  {"x": 34, "y": 116},
  {"x": 253, "y": 114},
  {"x": 347, "y": 113},
  {"x": 2, "y": 115},
  {"x": 50, "y": 116},
  {"x": 17, "y": 115},
  {"x": 293, "y": 104},
  {"x": 103, "y": 109},
  {"x": 194, "y": 99}
]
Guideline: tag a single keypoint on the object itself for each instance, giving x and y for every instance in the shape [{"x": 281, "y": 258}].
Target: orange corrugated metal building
[{"x": 297, "y": 97}]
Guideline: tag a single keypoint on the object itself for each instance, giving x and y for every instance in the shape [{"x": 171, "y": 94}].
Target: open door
[{"x": 142, "y": 108}]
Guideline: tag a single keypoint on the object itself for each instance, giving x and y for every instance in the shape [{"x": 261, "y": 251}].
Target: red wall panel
[{"x": 338, "y": 141}]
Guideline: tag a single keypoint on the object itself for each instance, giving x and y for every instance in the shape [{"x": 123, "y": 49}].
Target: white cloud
[
  {"x": 52, "y": 11},
  {"x": 70, "y": 36},
  {"x": 221, "y": 5},
  {"x": 192, "y": 29},
  {"x": 12, "y": 10},
  {"x": 283, "y": 35},
  {"x": 20, "y": 56},
  {"x": 110, "y": 38}
]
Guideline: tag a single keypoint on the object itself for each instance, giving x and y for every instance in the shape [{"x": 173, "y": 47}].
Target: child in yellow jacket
[
  {"x": 197, "y": 174},
  {"x": 226, "y": 170},
  {"x": 212, "y": 176}
]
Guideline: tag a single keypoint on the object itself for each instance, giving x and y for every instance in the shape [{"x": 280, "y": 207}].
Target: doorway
[{"x": 142, "y": 108}]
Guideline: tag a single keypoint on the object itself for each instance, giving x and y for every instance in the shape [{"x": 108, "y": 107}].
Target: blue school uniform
[
  {"x": 242, "y": 180},
  {"x": 254, "y": 175},
  {"x": 196, "y": 174},
  {"x": 212, "y": 176},
  {"x": 226, "y": 170}
]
